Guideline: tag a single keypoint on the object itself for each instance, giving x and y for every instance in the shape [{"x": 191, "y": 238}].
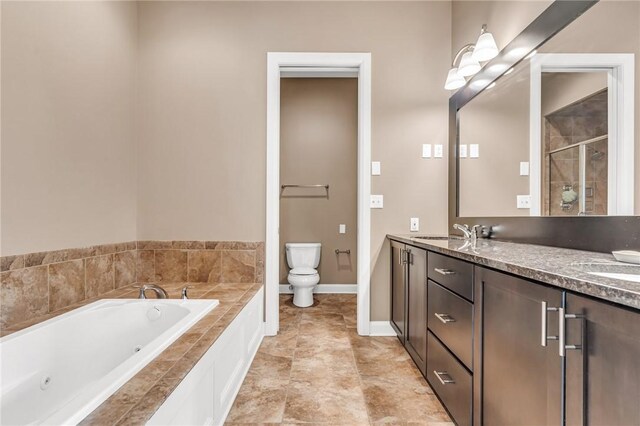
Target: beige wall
[
  {"x": 68, "y": 135},
  {"x": 564, "y": 88},
  {"x": 203, "y": 113},
  {"x": 319, "y": 145}
]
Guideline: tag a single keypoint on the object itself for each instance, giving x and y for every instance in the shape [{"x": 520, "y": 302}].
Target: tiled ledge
[{"x": 37, "y": 284}]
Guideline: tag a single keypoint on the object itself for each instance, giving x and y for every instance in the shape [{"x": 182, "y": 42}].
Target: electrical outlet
[
  {"x": 375, "y": 168},
  {"x": 462, "y": 151},
  {"x": 524, "y": 168},
  {"x": 342, "y": 229},
  {"x": 376, "y": 202},
  {"x": 426, "y": 150},
  {"x": 415, "y": 224},
  {"x": 474, "y": 150},
  {"x": 438, "y": 151},
  {"x": 523, "y": 201}
]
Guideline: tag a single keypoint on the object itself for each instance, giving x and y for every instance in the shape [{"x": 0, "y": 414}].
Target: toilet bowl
[{"x": 303, "y": 258}]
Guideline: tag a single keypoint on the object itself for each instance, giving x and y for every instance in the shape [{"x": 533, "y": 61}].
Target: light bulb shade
[
  {"x": 468, "y": 66},
  {"x": 486, "y": 48},
  {"x": 454, "y": 80}
]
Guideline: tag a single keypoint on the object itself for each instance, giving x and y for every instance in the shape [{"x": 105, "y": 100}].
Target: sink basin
[
  {"x": 437, "y": 238},
  {"x": 618, "y": 276},
  {"x": 615, "y": 270}
]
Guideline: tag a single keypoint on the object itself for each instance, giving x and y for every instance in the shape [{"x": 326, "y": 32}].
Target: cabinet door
[
  {"x": 398, "y": 291},
  {"x": 520, "y": 378},
  {"x": 603, "y": 375},
  {"x": 417, "y": 307}
]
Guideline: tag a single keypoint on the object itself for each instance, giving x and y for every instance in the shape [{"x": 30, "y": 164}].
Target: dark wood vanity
[{"x": 488, "y": 341}]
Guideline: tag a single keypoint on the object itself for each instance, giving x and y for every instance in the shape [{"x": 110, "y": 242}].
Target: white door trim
[
  {"x": 620, "y": 67},
  {"x": 276, "y": 63}
]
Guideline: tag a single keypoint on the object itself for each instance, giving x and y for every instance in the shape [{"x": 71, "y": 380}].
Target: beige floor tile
[{"x": 260, "y": 400}]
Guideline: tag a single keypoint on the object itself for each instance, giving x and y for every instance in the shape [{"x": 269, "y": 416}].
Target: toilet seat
[{"x": 303, "y": 271}]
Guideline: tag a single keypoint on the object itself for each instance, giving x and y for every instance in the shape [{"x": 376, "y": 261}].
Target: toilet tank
[{"x": 303, "y": 255}]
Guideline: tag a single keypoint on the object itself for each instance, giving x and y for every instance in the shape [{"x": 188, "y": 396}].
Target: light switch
[
  {"x": 524, "y": 168},
  {"x": 474, "y": 150},
  {"x": 375, "y": 168},
  {"x": 415, "y": 224},
  {"x": 523, "y": 201},
  {"x": 462, "y": 151},
  {"x": 437, "y": 151},
  {"x": 376, "y": 202},
  {"x": 342, "y": 229},
  {"x": 426, "y": 150}
]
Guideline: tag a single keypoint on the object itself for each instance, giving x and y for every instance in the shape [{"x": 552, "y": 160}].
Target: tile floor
[{"x": 318, "y": 370}]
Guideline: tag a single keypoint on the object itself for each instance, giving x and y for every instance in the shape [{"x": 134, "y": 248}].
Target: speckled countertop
[
  {"x": 138, "y": 399},
  {"x": 568, "y": 269}
]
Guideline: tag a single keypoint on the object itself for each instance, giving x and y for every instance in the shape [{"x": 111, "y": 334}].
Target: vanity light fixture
[{"x": 470, "y": 56}]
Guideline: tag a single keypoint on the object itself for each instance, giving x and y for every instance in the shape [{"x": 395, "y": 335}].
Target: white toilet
[{"x": 303, "y": 259}]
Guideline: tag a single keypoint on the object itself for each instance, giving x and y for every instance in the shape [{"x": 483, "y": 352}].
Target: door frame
[
  {"x": 328, "y": 65},
  {"x": 621, "y": 138}
]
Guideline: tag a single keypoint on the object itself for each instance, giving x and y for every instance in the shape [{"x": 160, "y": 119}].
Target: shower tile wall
[{"x": 575, "y": 123}]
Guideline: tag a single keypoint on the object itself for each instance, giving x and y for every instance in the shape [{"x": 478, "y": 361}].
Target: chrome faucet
[
  {"x": 160, "y": 292},
  {"x": 469, "y": 233}
]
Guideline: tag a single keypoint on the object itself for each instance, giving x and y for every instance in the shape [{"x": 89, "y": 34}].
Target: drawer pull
[
  {"x": 444, "y": 377},
  {"x": 444, "y": 271},
  {"x": 445, "y": 318}
]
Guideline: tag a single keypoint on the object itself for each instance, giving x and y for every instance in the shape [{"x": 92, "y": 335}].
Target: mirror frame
[{"x": 593, "y": 233}]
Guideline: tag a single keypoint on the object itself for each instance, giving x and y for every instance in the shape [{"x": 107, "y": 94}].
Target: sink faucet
[
  {"x": 160, "y": 292},
  {"x": 469, "y": 233}
]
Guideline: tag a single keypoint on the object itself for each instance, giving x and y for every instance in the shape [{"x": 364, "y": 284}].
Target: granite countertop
[
  {"x": 138, "y": 399},
  {"x": 560, "y": 267}
]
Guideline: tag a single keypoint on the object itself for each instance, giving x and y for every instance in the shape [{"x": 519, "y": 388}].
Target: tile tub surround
[
  {"x": 36, "y": 284},
  {"x": 565, "y": 268},
  {"x": 319, "y": 370}
]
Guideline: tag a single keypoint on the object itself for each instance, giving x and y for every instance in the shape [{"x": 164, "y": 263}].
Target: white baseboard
[
  {"x": 381, "y": 328},
  {"x": 326, "y": 289}
]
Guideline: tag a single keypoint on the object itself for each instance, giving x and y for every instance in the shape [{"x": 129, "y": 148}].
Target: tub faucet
[{"x": 160, "y": 292}]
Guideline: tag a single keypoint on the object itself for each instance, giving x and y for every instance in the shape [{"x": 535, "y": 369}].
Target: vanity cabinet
[{"x": 409, "y": 300}]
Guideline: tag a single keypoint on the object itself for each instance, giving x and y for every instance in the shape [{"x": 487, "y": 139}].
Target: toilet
[{"x": 303, "y": 259}]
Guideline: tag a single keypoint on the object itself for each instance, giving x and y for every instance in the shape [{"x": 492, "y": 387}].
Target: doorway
[{"x": 317, "y": 65}]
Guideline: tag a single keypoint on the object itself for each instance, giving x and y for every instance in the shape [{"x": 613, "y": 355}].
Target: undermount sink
[
  {"x": 618, "y": 276},
  {"x": 615, "y": 270},
  {"x": 439, "y": 238}
]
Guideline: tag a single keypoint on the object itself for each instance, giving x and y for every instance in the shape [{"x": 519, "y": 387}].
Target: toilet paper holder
[{"x": 338, "y": 251}]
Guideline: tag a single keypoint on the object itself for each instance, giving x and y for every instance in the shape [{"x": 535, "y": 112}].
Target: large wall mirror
[{"x": 554, "y": 134}]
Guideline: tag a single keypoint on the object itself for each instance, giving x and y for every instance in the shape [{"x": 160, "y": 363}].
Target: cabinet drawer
[
  {"x": 454, "y": 274},
  {"x": 451, "y": 320},
  {"x": 452, "y": 382}
]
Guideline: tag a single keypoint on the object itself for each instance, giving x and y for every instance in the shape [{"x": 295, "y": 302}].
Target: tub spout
[{"x": 160, "y": 292}]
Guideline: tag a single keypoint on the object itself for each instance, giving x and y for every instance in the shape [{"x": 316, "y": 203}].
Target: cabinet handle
[
  {"x": 400, "y": 257},
  {"x": 444, "y": 271},
  {"x": 543, "y": 332},
  {"x": 562, "y": 332},
  {"x": 445, "y": 318},
  {"x": 444, "y": 377},
  {"x": 409, "y": 257}
]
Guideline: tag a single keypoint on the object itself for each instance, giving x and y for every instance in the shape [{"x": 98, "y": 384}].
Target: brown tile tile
[
  {"x": 260, "y": 400},
  {"x": 171, "y": 265},
  {"x": 205, "y": 266},
  {"x": 260, "y": 258},
  {"x": 44, "y": 258},
  {"x": 99, "y": 275},
  {"x": 149, "y": 403},
  {"x": 190, "y": 245},
  {"x": 66, "y": 284},
  {"x": 24, "y": 294},
  {"x": 124, "y": 268},
  {"x": 238, "y": 266},
  {"x": 283, "y": 344},
  {"x": 11, "y": 262},
  {"x": 154, "y": 245},
  {"x": 145, "y": 266},
  {"x": 267, "y": 365}
]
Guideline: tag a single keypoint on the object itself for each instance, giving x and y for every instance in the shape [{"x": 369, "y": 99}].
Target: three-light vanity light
[{"x": 470, "y": 56}]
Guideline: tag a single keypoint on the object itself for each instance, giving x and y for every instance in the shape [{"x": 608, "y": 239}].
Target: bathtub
[{"x": 59, "y": 371}]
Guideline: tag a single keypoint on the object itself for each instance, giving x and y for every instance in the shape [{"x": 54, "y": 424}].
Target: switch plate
[
  {"x": 415, "y": 224},
  {"x": 342, "y": 229},
  {"x": 376, "y": 202},
  {"x": 462, "y": 152},
  {"x": 437, "y": 151},
  {"x": 426, "y": 150},
  {"x": 375, "y": 168},
  {"x": 524, "y": 168},
  {"x": 474, "y": 150},
  {"x": 523, "y": 201}
]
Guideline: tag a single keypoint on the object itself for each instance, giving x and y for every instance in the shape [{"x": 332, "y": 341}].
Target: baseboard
[
  {"x": 381, "y": 328},
  {"x": 326, "y": 289}
]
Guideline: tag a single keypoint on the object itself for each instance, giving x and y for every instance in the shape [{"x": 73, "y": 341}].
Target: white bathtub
[{"x": 59, "y": 371}]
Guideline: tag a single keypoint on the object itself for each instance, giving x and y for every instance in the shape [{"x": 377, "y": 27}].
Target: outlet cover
[
  {"x": 426, "y": 150},
  {"x": 524, "y": 201},
  {"x": 415, "y": 224},
  {"x": 375, "y": 168},
  {"x": 438, "y": 151},
  {"x": 474, "y": 150},
  {"x": 377, "y": 202},
  {"x": 462, "y": 151},
  {"x": 524, "y": 168}
]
